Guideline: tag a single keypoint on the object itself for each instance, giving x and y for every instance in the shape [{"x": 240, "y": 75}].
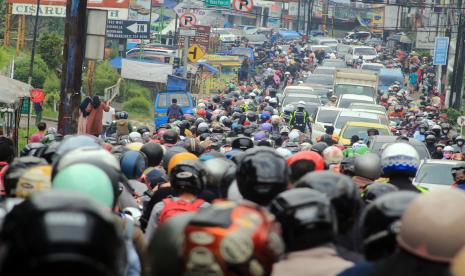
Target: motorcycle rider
[
  {"x": 367, "y": 169},
  {"x": 308, "y": 236},
  {"x": 300, "y": 119},
  {"x": 459, "y": 145}
]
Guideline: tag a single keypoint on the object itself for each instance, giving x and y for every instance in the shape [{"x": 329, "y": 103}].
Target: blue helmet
[{"x": 133, "y": 164}]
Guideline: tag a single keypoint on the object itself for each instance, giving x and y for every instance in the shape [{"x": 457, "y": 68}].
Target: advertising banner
[{"x": 145, "y": 71}]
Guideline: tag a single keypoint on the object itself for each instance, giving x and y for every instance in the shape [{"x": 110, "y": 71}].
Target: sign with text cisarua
[
  {"x": 441, "y": 46},
  {"x": 128, "y": 29},
  {"x": 218, "y": 3}
]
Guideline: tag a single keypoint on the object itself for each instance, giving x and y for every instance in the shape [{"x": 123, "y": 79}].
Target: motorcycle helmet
[
  {"x": 33, "y": 149},
  {"x": 180, "y": 157},
  {"x": 380, "y": 224},
  {"x": 220, "y": 174},
  {"x": 86, "y": 179},
  {"x": 133, "y": 164},
  {"x": 306, "y": 216},
  {"x": 188, "y": 176},
  {"x": 170, "y": 136},
  {"x": 61, "y": 233},
  {"x": 342, "y": 192},
  {"x": 242, "y": 143},
  {"x": 432, "y": 225},
  {"x": 376, "y": 190},
  {"x": 16, "y": 169},
  {"x": 154, "y": 153},
  {"x": 261, "y": 175},
  {"x": 319, "y": 147},
  {"x": 400, "y": 158},
  {"x": 368, "y": 166},
  {"x": 34, "y": 179},
  {"x": 304, "y": 162},
  {"x": 332, "y": 155}
]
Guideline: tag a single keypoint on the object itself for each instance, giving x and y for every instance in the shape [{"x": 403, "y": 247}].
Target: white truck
[{"x": 356, "y": 82}]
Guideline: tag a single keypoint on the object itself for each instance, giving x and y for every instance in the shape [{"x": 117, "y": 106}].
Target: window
[
  {"x": 327, "y": 116},
  {"x": 162, "y": 103},
  {"x": 342, "y": 120},
  {"x": 365, "y": 51},
  {"x": 361, "y": 132}
]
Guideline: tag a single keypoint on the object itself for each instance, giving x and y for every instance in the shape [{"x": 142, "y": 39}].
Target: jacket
[{"x": 318, "y": 261}]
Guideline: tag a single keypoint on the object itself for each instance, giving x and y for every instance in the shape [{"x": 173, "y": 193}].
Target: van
[
  {"x": 387, "y": 77},
  {"x": 176, "y": 89}
]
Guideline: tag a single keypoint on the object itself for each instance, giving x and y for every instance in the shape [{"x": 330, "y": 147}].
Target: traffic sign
[
  {"x": 441, "y": 46},
  {"x": 461, "y": 121},
  {"x": 186, "y": 32},
  {"x": 195, "y": 53},
  {"x": 243, "y": 5},
  {"x": 188, "y": 20},
  {"x": 128, "y": 29},
  {"x": 219, "y": 3}
]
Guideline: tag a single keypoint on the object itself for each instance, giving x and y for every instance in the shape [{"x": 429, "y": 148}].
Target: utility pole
[
  {"x": 184, "y": 61},
  {"x": 457, "y": 80},
  {"x": 298, "y": 15},
  {"x": 73, "y": 54},
  {"x": 309, "y": 16}
]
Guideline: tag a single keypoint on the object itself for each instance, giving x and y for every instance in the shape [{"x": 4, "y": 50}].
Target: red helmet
[
  {"x": 201, "y": 112},
  {"x": 232, "y": 239},
  {"x": 317, "y": 159}
]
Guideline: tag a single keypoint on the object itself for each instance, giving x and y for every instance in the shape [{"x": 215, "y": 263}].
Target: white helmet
[{"x": 135, "y": 136}]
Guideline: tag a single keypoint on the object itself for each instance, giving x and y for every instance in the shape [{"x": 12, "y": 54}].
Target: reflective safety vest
[{"x": 300, "y": 117}]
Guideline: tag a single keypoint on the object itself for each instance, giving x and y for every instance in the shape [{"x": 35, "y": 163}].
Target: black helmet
[
  {"x": 169, "y": 154},
  {"x": 7, "y": 152},
  {"x": 227, "y": 122},
  {"x": 242, "y": 143},
  {"x": 376, "y": 189},
  {"x": 188, "y": 176},
  {"x": 430, "y": 138},
  {"x": 251, "y": 116},
  {"x": 368, "y": 166},
  {"x": 170, "y": 136},
  {"x": 380, "y": 224},
  {"x": 77, "y": 141},
  {"x": 16, "y": 169},
  {"x": 34, "y": 149},
  {"x": 61, "y": 233},
  {"x": 143, "y": 129},
  {"x": 348, "y": 166},
  {"x": 261, "y": 174},
  {"x": 306, "y": 216},
  {"x": 193, "y": 146},
  {"x": 220, "y": 174},
  {"x": 154, "y": 153},
  {"x": 342, "y": 192},
  {"x": 319, "y": 147}
]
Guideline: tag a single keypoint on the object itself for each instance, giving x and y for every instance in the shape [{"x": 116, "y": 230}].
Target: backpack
[
  {"x": 175, "y": 207},
  {"x": 122, "y": 127},
  {"x": 174, "y": 112}
]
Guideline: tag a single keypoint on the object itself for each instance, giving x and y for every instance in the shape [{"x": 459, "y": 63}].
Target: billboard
[{"x": 117, "y": 9}]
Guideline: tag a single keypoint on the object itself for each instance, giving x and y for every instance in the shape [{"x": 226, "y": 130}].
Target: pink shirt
[{"x": 35, "y": 138}]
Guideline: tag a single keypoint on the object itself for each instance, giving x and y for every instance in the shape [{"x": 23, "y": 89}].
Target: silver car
[{"x": 435, "y": 174}]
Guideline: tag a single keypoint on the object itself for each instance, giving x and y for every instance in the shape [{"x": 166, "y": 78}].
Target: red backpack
[{"x": 175, "y": 207}]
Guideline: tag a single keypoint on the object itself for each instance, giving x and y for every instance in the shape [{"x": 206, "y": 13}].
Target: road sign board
[
  {"x": 188, "y": 20},
  {"x": 186, "y": 32},
  {"x": 195, "y": 53},
  {"x": 201, "y": 38},
  {"x": 128, "y": 29},
  {"x": 441, "y": 46},
  {"x": 243, "y": 5},
  {"x": 461, "y": 121},
  {"x": 219, "y": 3}
]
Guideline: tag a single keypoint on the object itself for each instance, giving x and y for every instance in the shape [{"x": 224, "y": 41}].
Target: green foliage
[
  {"x": 2, "y": 16},
  {"x": 104, "y": 76},
  {"x": 452, "y": 115},
  {"x": 50, "y": 48},
  {"x": 138, "y": 105},
  {"x": 52, "y": 89},
  {"x": 6, "y": 55},
  {"x": 40, "y": 71},
  {"x": 131, "y": 89}
]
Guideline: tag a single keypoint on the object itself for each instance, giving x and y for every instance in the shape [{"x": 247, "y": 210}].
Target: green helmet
[
  {"x": 361, "y": 151},
  {"x": 87, "y": 179}
]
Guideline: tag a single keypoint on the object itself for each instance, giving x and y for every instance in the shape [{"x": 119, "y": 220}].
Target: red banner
[
  {"x": 37, "y": 95},
  {"x": 122, "y": 4}
]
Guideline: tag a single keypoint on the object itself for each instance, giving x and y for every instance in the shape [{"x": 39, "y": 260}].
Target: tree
[
  {"x": 104, "y": 76},
  {"x": 39, "y": 74},
  {"x": 50, "y": 48},
  {"x": 52, "y": 90}
]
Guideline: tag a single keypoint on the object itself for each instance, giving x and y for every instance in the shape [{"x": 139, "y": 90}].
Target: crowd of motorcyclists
[{"x": 237, "y": 188}]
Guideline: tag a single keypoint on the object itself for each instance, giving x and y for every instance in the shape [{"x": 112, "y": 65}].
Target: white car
[
  {"x": 346, "y": 100},
  {"x": 435, "y": 174},
  {"x": 325, "y": 117},
  {"x": 368, "y": 53},
  {"x": 372, "y": 66},
  {"x": 328, "y": 41},
  {"x": 348, "y": 115}
]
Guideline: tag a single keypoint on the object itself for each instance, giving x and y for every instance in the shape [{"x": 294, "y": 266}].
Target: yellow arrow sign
[{"x": 195, "y": 53}]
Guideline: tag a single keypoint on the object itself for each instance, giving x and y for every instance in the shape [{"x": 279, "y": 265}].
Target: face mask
[
  {"x": 447, "y": 155},
  {"x": 459, "y": 143},
  {"x": 445, "y": 131},
  {"x": 422, "y": 130}
]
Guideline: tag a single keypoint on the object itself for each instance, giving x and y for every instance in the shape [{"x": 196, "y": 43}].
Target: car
[
  {"x": 347, "y": 115},
  {"x": 360, "y": 129},
  {"x": 378, "y": 143},
  {"x": 342, "y": 50},
  {"x": 325, "y": 48},
  {"x": 225, "y": 35},
  {"x": 323, "y": 70},
  {"x": 336, "y": 63},
  {"x": 324, "y": 118},
  {"x": 434, "y": 174},
  {"x": 368, "y": 53},
  {"x": 325, "y": 80},
  {"x": 328, "y": 41},
  {"x": 320, "y": 90},
  {"x": 295, "y": 98},
  {"x": 372, "y": 66},
  {"x": 356, "y": 36},
  {"x": 345, "y": 100},
  {"x": 367, "y": 107}
]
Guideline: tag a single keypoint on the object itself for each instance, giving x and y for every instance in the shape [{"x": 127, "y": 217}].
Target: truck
[
  {"x": 176, "y": 88},
  {"x": 355, "y": 81}
]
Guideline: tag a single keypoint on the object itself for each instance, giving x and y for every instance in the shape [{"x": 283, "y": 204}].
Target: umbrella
[{"x": 11, "y": 90}]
